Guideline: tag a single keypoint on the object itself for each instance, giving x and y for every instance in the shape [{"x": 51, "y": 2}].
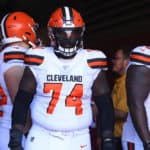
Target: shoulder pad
[
  {"x": 96, "y": 59},
  {"x": 35, "y": 56},
  {"x": 140, "y": 56},
  {"x": 14, "y": 53}
]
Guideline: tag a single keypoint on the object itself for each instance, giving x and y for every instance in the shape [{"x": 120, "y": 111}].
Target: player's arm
[
  {"x": 138, "y": 88},
  {"x": 101, "y": 95},
  {"x": 22, "y": 102},
  {"x": 12, "y": 79}
]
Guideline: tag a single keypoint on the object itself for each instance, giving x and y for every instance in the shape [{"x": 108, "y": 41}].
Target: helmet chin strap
[{"x": 32, "y": 44}]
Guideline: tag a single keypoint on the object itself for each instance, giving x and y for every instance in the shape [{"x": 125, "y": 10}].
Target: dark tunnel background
[{"x": 109, "y": 24}]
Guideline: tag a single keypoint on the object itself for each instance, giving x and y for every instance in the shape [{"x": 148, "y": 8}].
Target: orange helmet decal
[{"x": 66, "y": 17}]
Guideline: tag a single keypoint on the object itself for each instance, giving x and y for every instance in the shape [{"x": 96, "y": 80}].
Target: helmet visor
[{"x": 68, "y": 37}]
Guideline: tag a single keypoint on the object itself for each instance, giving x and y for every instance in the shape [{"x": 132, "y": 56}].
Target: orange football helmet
[
  {"x": 18, "y": 26},
  {"x": 66, "y": 28}
]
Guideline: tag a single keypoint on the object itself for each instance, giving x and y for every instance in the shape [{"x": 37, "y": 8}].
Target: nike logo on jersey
[{"x": 32, "y": 139}]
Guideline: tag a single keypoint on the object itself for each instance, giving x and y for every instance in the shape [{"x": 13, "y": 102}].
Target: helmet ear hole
[
  {"x": 66, "y": 27},
  {"x": 28, "y": 33}
]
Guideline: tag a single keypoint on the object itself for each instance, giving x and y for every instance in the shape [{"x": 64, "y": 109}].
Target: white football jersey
[
  {"x": 139, "y": 56},
  {"x": 10, "y": 56},
  {"x": 63, "y": 94}
]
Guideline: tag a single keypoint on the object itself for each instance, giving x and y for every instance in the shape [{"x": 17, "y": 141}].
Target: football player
[
  {"x": 136, "y": 131},
  {"x": 60, "y": 89},
  {"x": 18, "y": 34}
]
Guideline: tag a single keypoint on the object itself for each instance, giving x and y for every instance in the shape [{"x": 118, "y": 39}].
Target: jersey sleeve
[
  {"x": 35, "y": 57},
  {"x": 140, "y": 56},
  {"x": 97, "y": 60},
  {"x": 12, "y": 56}
]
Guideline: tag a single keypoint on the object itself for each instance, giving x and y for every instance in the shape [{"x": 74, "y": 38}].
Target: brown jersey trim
[
  {"x": 142, "y": 58},
  {"x": 97, "y": 63},
  {"x": 13, "y": 55},
  {"x": 33, "y": 60}
]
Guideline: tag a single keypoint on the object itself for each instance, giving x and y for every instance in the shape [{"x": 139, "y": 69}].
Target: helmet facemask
[{"x": 67, "y": 40}]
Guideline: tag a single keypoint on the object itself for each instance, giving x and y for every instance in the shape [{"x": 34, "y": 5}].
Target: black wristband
[
  {"x": 106, "y": 115},
  {"x": 15, "y": 138},
  {"x": 108, "y": 144},
  {"x": 146, "y": 145}
]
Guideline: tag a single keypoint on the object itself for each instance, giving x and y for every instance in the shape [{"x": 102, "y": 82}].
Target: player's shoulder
[
  {"x": 141, "y": 50},
  {"x": 95, "y": 53},
  {"x": 36, "y": 56},
  {"x": 14, "y": 49},
  {"x": 140, "y": 56},
  {"x": 13, "y": 53},
  {"x": 41, "y": 51},
  {"x": 96, "y": 58}
]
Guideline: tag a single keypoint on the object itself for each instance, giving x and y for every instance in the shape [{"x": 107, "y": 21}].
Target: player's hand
[
  {"x": 108, "y": 144},
  {"x": 17, "y": 148},
  {"x": 15, "y": 142}
]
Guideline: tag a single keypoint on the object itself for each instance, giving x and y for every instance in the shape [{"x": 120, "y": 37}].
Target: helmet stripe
[
  {"x": 3, "y": 25},
  {"x": 71, "y": 13},
  {"x": 67, "y": 14}
]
